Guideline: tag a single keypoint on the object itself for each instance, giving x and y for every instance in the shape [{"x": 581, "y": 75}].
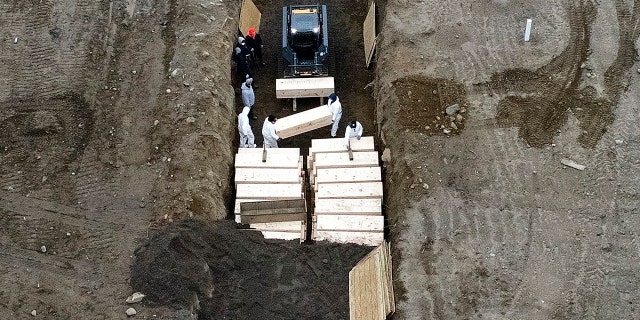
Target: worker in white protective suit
[
  {"x": 248, "y": 97},
  {"x": 354, "y": 130},
  {"x": 269, "y": 132},
  {"x": 336, "y": 110},
  {"x": 247, "y": 140}
]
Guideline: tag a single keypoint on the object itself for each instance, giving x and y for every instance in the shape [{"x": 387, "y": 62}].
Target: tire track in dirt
[
  {"x": 541, "y": 221},
  {"x": 47, "y": 55},
  {"x": 96, "y": 182},
  {"x": 44, "y": 138},
  {"x": 15, "y": 181},
  {"x": 70, "y": 269},
  {"x": 539, "y": 118},
  {"x": 80, "y": 258},
  {"x": 61, "y": 229}
]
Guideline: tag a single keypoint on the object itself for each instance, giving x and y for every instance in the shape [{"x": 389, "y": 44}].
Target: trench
[
  {"x": 351, "y": 76},
  {"x": 251, "y": 275}
]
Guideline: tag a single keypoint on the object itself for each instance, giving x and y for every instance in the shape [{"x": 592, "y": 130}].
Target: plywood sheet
[
  {"x": 355, "y": 190},
  {"x": 281, "y": 191},
  {"x": 304, "y": 121},
  {"x": 371, "y": 294},
  {"x": 304, "y": 87},
  {"x": 341, "y": 160},
  {"x": 369, "y": 34},
  {"x": 348, "y": 222},
  {"x": 249, "y": 17},
  {"x": 348, "y": 206},
  {"x": 250, "y": 160}
]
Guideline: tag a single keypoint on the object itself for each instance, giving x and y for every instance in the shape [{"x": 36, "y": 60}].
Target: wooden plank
[
  {"x": 291, "y": 226},
  {"x": 250, "y": 160},
  {"x": 236, "y": 208},
  {"x": 271, "y": 207},
  {"x": 270, "y": 151},
  {"x": 304, "y": 87},
  {"x": 284, "y": 235},
  {"x": 356, "y": 190},
  {"x": 249, "y": 17},
  {"x": 348, "y": 206},
  {"x": 329, "y": 222},
  {"x": 273, "y": 211},
  {"x": 267, "y": 175},
  {"x": 341, "y": 160},
  {"x": 369, "y": 34},
  {"x": 281, "y": 191},
  {"x": 337, "y": 145},
  {"x": 284, "y": 217},
  {"x": 359, "y": 174},
  {"x": 304, "y": 121},
  {"x": 388, "y": 263},
  {"x": 572, "y": 164},
  {"x": 367, "y": 238},
  {"x": 281, "y": 235}
]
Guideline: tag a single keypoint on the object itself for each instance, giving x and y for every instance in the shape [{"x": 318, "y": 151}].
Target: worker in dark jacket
[
  {"x": 244, "y": 49},
  {"x": 242, "y": 65},
  {"x": 254, "y": 42}
]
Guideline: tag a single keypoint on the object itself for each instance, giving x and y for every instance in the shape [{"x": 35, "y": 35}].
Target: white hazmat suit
[
  {"x": 336, "y": 110},
  {"x": 269, "y": 134},
  {"x": 352, "y": 132},
  {"x": 247, "y": 140}
]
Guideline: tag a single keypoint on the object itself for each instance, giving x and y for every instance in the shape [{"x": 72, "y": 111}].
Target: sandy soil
[
  {"x": 494, "y": 225},
  {"x": 118, "y": 119}
]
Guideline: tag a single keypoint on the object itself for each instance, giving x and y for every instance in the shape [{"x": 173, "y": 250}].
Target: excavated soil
[
  {"x": 221, "y": 272},
  {"x": 118, "y": 121}
]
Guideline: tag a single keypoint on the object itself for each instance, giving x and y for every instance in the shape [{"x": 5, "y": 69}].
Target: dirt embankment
[
  {"x": 196, "y": 128},
  {"x": 93, "y": 147},
  {"x": 488, "y": 223}
]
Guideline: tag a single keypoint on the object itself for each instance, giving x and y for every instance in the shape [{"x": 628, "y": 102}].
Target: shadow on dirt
[{"x": 220, "y": 272}]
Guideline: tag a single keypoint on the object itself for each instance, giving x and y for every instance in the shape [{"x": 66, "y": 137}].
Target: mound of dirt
[{"x": 218, "y": 271}]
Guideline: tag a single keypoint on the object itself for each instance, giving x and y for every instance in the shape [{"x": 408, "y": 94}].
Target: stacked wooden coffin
[
  {"x": 270, "y": 192},
  {"x": 347, "y": 192}
]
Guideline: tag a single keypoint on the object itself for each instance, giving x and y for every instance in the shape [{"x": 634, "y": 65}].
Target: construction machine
[{"x": 306, "y": 57}]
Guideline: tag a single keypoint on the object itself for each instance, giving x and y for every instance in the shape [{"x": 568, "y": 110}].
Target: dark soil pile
[{"x": 221, "y": 272}]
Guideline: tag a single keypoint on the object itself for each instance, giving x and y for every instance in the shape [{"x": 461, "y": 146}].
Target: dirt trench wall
[{"x": 199, "y": 120}]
